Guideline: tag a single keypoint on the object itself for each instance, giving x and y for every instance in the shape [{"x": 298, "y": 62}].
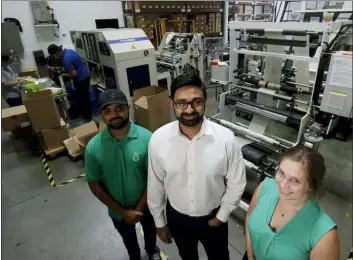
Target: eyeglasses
[{"x": 196, "y": 103}]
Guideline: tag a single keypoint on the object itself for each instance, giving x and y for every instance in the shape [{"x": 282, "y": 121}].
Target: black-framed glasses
[{"x": 195, "y": 103}]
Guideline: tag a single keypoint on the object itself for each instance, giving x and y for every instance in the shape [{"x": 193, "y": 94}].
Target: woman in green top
[{"x": 284, "y": 222}]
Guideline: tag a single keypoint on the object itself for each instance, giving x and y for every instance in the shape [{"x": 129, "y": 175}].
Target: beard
[
  {"x": 190, "y": 122},
  {"x": 118, "y": 125}
]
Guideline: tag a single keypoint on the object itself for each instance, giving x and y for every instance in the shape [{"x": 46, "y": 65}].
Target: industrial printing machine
[
  {"x": 269, "y": 83},
  {"x": 275, "y": 78},
  {"x": 180, "y": 53}
]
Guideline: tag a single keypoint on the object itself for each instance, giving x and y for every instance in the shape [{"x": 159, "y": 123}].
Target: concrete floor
[{"x": 41, "y": 222}]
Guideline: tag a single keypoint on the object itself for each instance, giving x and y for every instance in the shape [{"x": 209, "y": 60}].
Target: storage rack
[
  {"x": 315, "y": 11},
  {"x": 157, "y": 17},
  {"x": 247, "y": 10}
]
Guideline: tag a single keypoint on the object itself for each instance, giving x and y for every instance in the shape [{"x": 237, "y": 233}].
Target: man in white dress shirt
[{"x": 196, "y": 173}]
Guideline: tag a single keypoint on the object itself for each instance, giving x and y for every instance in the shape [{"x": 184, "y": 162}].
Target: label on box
[
  {"x": 137, "y": 10},
  {"x": 189, "y": 10},
  {"x": 183, "y": 10}
]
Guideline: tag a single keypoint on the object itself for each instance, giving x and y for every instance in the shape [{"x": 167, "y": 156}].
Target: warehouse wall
[{"x": 71, "y": 15}]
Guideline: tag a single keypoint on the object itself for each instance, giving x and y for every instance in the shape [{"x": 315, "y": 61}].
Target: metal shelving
[
  {"x": 157, "y": 17},
  {"x": 247, "y": 10}
]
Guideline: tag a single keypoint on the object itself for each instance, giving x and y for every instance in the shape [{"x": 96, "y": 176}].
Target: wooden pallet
[{"x": 53, "y": 153}]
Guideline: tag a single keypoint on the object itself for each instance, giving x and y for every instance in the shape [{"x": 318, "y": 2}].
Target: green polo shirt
[{"x": 120, "y": 165}]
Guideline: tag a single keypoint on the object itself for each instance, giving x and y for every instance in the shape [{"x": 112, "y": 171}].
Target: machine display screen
[{"x": 138, "y": 77}]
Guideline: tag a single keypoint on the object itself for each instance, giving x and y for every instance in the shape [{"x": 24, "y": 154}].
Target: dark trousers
[
  {"x": 14, "y": 102},
  {"x": 188, "y": 231},
  {"x": 128, "y": 234},
  {"x": 82, "y": 89}
]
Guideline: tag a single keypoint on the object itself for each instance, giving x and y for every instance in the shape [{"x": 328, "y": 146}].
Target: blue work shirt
[{"x": 72, "y": 61}]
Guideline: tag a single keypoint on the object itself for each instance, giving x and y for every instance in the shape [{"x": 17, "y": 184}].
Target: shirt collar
[
  {"x": 206, "y": 129},
  {"x": 132, "y": 134}
]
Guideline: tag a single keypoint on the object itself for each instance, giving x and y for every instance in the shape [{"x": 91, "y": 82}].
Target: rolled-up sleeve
[
  {"x": 155, "y": 187},
  {"x": 235, "y": 181}
]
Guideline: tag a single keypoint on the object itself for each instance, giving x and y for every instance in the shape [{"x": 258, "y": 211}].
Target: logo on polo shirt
[{"x": 136, "y": 157}]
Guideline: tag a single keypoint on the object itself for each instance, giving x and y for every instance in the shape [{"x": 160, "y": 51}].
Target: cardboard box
[
  {"x": 13, "y": 118},
  {"x": 72, "y": 147},
  {"x": 81, "y": 145},
  {"x": 152, "y": 107},
  {"x": 54, "y": 137},
  {"x": 85, "y": 132},
  {"x": 42, "y": 110},
  {"x": 102, "y": 126}
]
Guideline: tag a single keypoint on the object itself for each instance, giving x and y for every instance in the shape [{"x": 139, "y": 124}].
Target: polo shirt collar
[
  {"x": 132, "y": 134},
  {"x": 206, "y": 129}
]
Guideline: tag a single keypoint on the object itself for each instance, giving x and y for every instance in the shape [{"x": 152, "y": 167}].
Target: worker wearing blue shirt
[{"x": 76, "y": 69}]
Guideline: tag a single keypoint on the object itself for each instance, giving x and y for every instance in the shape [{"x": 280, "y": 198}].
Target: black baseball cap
[
  {"x": 53, "y": 48},
  {"x": 112, "y": 96}
]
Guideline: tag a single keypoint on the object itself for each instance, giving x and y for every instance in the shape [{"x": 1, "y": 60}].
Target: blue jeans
[{"x": 14, "y": 102}]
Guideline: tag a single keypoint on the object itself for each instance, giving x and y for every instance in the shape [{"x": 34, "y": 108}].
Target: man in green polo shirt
[{"x": 116, "y": 170}]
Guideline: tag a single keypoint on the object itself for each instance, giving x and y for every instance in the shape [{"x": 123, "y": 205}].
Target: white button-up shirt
[{"x": 195, "y": 175}]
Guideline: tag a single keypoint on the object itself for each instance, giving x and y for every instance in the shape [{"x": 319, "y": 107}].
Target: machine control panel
[{"x": 103, "y": 49}]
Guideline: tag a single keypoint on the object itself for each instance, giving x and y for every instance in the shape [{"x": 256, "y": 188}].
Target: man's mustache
[{"x": 115, "y": 118}]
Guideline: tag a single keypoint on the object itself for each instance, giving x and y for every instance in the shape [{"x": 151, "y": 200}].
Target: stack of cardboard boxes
[
  {"x": 205, "y": 6},
  {"x": 79, "y": 138},
  {"x": 146, "y": 24},
  {"x": 201, "y": 23},
  {"x": 214, "y": 23},
  {"x": 178, "y": 23},
  {"x": 39, "y": 117},
  {"x": 45, "y": 119},
  {"x": 16, "y": 121},
  {"x": 218, "y": 27},
  {"x": 157, "y": 6}
]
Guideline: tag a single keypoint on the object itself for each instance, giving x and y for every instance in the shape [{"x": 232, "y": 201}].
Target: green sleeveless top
[{"x": 294, "y": 240}]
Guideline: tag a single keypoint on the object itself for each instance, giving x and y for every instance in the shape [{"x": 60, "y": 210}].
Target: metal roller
[
  {"x": 165, "y": 64},
  {"x": 251, "y": 167},
  {"x": 246, "y": 132},
  {"x": 275, "y": 95}
]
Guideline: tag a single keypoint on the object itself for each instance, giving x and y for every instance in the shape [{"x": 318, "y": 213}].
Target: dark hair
[
  {"x": 187, "y": 79},
  {"x": 312, "y": 161},
  {"x": 5, "y": 57}
]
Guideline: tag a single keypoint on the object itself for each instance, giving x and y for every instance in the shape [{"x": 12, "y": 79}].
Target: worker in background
[
  {"x": 76, "y": 69},
  {"x": 55, "y": 68},
  {"x": 284, "y": 221},
  {"x": 116, "y": 170},
  {"x": 10, "y": 84},
  {"x": 196, "y": 170}
]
